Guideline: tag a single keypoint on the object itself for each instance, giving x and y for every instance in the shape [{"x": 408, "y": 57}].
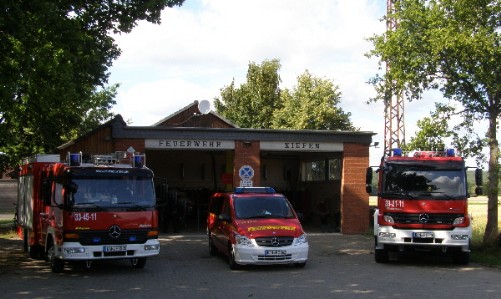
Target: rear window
[{"x": 252, "y": 207}]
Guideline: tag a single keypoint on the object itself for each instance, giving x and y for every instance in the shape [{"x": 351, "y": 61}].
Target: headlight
[
  {"x": 243, "y": 240},
  {"x": 73, "y": 250},
  {"x": 458, "y": 221},
  {"x": 388, "y": 219},
  {"x": 152, "y": 247},
  {"x": 387, "y": 235},
  {"x": 301, "y": 239}
]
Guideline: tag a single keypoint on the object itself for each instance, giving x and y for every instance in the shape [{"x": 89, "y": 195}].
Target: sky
[{"x": 200, "y": 47}]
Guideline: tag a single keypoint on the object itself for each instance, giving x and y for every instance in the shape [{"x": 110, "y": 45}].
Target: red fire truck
[
  {"x": 422, "y": 204},
  {"x": 83, "y": 212}
]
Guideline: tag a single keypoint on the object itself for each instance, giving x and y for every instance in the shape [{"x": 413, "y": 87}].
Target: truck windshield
[
  {"x": 262, "y": 207},
  {"x": 423, "y": 182},
  {"x": 129, "y": 192}
]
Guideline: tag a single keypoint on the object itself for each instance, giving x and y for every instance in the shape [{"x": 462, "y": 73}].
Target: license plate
[
  {"x": 275, "y": 252},
  {"x": 423, "y": 235},
  {"x": 115, "y": 248}
]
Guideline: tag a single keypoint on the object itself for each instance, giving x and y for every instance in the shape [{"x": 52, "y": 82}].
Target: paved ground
[{"x": 338, "y": 267}]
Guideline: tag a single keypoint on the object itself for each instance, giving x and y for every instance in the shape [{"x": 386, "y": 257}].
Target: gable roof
[{"x": 190, "y": 116}]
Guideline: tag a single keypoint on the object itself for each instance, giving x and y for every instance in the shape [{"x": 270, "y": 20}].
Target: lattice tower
[{"x": 394, "y": 130}]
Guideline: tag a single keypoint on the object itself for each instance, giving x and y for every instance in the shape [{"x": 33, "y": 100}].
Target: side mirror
[
  {"x": 300, "y": 216},
  {"x": 368, "y": 180},
  {"x": 478, "y": 177},
  {"x": 46, "y": 191},
  {"x": 224, "y": 217}
]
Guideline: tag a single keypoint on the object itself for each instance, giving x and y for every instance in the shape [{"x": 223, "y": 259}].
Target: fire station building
[{"x": 194, "y": 154}]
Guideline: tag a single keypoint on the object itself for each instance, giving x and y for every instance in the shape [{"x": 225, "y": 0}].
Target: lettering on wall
[{"x": 188, "y": 144}]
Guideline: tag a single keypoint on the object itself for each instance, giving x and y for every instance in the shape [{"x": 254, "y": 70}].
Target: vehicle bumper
[
  {"x": 257, "y": 255},
  {"x": 76, "y": 251},
  {"x": 459, "y": 238}
]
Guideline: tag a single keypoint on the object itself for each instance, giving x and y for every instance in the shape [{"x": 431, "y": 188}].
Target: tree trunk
[{"x": 491, "y": 229}]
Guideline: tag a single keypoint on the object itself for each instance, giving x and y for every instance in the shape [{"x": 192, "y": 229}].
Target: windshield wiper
[
  {"x": 430, "y": 193},
  {"x": 134, "y": 206},
  {"x": 403, "y": 194},
  {"x": 89, "y": 204}
]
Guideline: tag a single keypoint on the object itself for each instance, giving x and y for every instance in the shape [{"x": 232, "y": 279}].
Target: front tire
[
  {"x": 380, "y": 255},
  {"x": 212, "y": 248},
  {"x": 231, "y": 259},
  {"x": 56, "y": 264},
  {"x": 461, "y": 258}
]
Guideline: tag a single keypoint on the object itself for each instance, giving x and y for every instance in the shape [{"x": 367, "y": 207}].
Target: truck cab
[{"x": 422, "y": 204}]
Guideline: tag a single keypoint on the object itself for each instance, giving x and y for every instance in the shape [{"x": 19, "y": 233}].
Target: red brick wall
[
  {"x": 354, "y": 198},
  {"x": 247, "y": 153}
]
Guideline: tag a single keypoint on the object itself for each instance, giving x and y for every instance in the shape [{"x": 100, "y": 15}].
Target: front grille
[
  {"x": 283, "y": 257},
  {"x": 103, "y": 237},
  {"x": 274, "y": 241},
  {"x": 405, "y": 218}
]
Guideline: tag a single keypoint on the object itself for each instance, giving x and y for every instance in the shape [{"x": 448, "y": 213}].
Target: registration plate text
[
  {"x": 275, "y": 252},
  {"x": 115, "y": 248},
  {"x": 423, "y": 235}
]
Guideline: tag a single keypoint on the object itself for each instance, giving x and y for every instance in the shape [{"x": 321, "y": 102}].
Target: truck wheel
[
  {"x": 300, "y": 265},
  {"x": 56, "y": 264},
  {"x": 231, "y": 259},
  {"x": 381, "y": 255},
  {"x": 25, "y": 240},
  {"x": 461, "y": 258},
  {"x": 138, "y": 263},
  {"x": 212, "y": 248},
  {"x": 35, "y": 252}
]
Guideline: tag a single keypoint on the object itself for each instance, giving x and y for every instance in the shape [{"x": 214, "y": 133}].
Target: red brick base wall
[
  {"x": 247, "y": 153},
  {"x": 354, "y": 198}
]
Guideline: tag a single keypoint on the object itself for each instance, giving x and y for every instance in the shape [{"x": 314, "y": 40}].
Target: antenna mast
[{"x": 394, "y": 130}]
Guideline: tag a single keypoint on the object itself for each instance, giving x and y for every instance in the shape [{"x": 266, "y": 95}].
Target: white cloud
[{"x": 203, "y": 45}]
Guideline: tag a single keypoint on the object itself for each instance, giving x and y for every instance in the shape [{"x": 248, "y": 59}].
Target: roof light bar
[{"x": 241, "y": 190}]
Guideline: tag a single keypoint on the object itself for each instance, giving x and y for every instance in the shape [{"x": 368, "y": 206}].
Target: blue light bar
[
  {"x": 397, "y": 152},
  {"x": 241, "y": 190},
  {"x": 75, "y": 159},
  {"x": 450, "y": 152},
  {"x": 138, "y": 161}
]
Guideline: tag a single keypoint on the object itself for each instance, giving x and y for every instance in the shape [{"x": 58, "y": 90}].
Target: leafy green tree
[
  {"x": 435, "y": 131},
  {"x": 252, "y": 104},
  {"x": 452, "y": 46},
  {"x": 260, "y": 103},
  {"x": 54, "y": 60},
  {"x": 312, "y": 104},
  {"x": 430, "y": 136}
]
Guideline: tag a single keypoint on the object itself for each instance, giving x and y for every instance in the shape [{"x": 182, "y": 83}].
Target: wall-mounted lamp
[
  {"x": 247, "y": 143},
  {"x": 375, "y": 144}
]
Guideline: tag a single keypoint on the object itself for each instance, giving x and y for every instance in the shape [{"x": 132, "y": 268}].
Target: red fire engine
[
  {"x": 422, "y": 204},
  {"x": 84, "y": 212}
]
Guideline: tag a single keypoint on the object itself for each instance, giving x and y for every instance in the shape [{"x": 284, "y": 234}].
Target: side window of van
[
  {"x": 227, "y": 207},
  {"x": 216, "y": 205}
]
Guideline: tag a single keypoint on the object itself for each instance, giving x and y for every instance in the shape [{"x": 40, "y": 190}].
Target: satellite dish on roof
[{"x": 204, "y": 106}]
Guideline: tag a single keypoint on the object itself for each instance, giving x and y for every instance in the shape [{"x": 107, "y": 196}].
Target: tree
[
  {"x": 54, "y": 60},
  {"x": 260, "y": 103},
  {"x": 312, "y": 104},
  {"x": 253, "y": 103},
  {"x": 435, "y": 131},
  {"x": 452, "y": 46}
]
